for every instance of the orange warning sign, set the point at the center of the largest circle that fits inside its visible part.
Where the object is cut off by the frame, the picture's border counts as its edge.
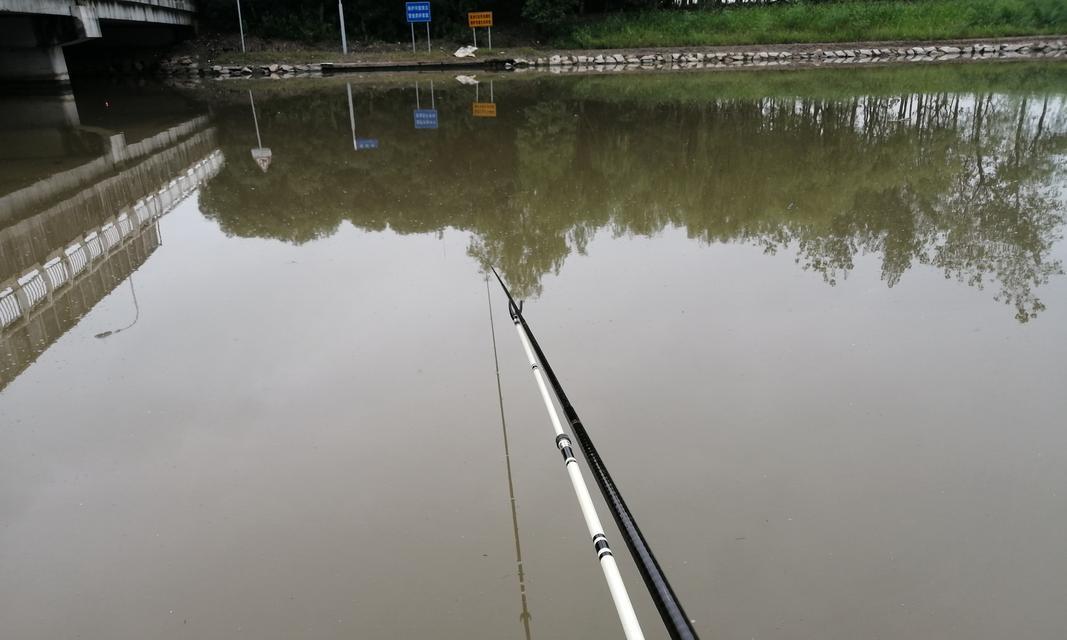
(483, 109)
(480, 19)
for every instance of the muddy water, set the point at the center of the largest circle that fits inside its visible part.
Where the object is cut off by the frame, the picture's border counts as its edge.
(816, 322)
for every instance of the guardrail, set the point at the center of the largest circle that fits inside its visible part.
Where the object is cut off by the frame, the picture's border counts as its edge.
(41, 283)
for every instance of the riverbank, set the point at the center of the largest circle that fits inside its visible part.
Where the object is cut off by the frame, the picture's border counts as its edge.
(816, 54)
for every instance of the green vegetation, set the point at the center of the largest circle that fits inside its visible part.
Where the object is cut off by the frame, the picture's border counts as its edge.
(374, 21)
(315, 21)
(594, 24)
(551, 14)
(806, 21)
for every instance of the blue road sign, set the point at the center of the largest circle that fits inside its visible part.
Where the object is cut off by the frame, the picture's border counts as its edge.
(366, 143)
(418, 11)
(425, 118)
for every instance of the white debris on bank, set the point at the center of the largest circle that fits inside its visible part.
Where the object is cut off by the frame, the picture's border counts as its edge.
(465, 52)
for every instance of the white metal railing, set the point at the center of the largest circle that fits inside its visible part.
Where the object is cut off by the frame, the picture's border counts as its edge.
(110, 235)
(10, 310)
(56, 272)
(124, 224)
(20, 296)
(77, 258)
(141, 212)
(93, 245)
(33, 287)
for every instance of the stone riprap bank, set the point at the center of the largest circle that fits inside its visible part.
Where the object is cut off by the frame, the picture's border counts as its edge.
(795, 55)
(189, 67)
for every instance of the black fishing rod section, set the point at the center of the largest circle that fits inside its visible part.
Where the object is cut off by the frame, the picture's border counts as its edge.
(670, 609)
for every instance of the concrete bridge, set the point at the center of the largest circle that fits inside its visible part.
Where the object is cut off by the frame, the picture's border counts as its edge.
(33, 33)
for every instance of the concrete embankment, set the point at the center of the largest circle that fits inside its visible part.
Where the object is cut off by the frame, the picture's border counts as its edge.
(664, 58)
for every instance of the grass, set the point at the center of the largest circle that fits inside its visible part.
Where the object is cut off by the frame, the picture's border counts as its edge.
(845, 21)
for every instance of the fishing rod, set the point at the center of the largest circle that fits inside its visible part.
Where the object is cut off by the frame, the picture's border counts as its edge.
(621, 598)
(670, 609)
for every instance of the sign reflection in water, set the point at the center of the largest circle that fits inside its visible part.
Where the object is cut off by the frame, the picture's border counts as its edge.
(358, 144)
(425, 118)
(481, 109)
(260, 154)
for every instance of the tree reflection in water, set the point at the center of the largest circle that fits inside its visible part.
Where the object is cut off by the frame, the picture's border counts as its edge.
(956, 168)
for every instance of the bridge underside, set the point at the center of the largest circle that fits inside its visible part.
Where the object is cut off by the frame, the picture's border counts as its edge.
(35, 34)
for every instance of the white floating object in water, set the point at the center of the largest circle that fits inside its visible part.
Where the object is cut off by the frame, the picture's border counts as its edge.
(466, 79)
(465, 52)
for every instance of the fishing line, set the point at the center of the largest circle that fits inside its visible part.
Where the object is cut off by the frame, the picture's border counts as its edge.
(525, 616)
(619, 595)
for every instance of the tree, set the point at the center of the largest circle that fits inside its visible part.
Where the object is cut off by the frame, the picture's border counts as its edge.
(549, 14)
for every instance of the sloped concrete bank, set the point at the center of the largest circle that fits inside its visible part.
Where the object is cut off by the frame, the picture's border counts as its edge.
(187, 66)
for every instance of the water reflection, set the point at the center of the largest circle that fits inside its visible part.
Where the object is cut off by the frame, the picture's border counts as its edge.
(265, 452)
(70, 237)
(262, 155)
(960, 180)
(525, 615)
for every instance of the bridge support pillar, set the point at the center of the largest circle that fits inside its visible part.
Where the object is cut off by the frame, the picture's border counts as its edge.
(31, 46)
(42, 66)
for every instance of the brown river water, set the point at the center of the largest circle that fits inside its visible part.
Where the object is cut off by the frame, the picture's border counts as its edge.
(816, 322)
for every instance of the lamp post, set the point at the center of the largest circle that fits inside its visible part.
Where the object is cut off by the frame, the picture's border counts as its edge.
(241, 26)
(136, 316)
(344, 36)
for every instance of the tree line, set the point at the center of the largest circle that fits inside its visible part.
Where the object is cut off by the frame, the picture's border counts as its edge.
(312, 20)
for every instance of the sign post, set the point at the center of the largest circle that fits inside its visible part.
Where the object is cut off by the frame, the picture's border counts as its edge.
(481, 20)
(418, 12)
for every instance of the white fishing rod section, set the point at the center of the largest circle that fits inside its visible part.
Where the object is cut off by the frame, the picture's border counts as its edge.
(630, 626)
